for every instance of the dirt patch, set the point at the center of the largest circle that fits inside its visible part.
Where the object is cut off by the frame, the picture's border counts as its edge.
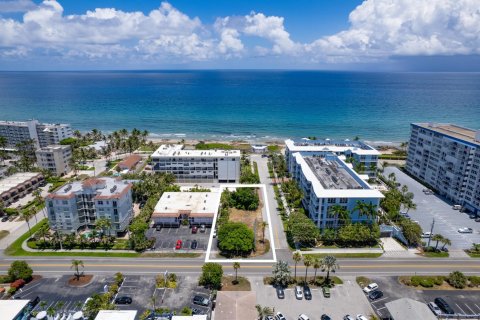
(229, 284)
(83, 281)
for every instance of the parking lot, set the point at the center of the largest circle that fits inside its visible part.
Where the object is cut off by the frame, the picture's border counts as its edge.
(56, 293)
(462, 301)
(345, 299)
(167, 238)
(447, 220)
(141, 289)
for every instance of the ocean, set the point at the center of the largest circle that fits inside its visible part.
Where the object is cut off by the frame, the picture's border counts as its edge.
(244, 105)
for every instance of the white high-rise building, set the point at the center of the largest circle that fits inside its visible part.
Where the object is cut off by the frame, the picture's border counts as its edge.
(77, 205)
(198, 165)
(55, 158)
(363, 157)
(43, 134)
(447, 158)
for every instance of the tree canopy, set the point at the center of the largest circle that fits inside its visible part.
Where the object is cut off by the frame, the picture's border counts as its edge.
(235, 238)
(212, 274)
(20, 270)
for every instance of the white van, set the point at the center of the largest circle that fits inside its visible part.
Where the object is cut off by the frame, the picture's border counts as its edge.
(456, 207)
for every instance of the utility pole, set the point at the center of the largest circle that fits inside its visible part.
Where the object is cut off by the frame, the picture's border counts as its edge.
(431, 232)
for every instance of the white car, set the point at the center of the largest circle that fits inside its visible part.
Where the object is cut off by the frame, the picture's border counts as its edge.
(280, 316)
(435, 309)
(465, 230)
(303, 317)
(426, 234)
(361, 317)
(298, 293)
(371, 287)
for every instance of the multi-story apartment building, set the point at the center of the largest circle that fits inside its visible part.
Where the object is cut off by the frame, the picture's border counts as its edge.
(55, 158)
(43, 134)
(198, 165)
(447, 158)
(363, 157)
(327, 181)
(18, 185)
(77, 205)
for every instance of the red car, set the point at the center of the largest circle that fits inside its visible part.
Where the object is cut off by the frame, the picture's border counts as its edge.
(194, 229)
(179, 244)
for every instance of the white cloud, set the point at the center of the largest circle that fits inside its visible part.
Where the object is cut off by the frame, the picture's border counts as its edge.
(378, 30)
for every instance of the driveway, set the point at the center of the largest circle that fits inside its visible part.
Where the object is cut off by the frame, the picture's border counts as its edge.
(166, 238)
(429, 207)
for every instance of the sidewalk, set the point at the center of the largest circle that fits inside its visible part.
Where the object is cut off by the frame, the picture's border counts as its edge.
(20, 230)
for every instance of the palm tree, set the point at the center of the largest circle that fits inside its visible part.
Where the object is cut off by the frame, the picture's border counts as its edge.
(42, 304)
(307, 262)
(77, 134)
(263, 311)
(76, 264)
(103, 224)
(2, 207)
(236, 266)
(446, 242)
(371, 210)
(410, 205)
(51, 312)
(3, 145)
(263, 225)
(340, 213)
(438, 238)
(43, 232)
(297, 256)
(316, 266)
(27, 215)
(360, 206)
(329, 263)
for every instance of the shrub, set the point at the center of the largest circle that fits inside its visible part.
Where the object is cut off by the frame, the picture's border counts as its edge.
(17, 284)
(20, 270)
(415, 281)
(235, 238)
(457, 280)
(439, 280)
(426, 282)
(12, 291)
(474, 281)
(114, 288)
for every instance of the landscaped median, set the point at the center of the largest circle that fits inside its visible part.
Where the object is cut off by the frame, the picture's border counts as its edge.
(17, 248)
(455, 280)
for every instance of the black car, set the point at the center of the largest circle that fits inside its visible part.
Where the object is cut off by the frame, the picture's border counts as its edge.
(194, 244)
(374, 295)
(32, 303)
(196, 311)
(307, 293)
(442, 304)
(280, 293)
(325, 317)
(202, 301)
(4, 219)
(123, 300)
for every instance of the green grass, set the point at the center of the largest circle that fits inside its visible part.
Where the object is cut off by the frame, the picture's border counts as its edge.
(348, 255)
(4, 233)
(473, 254)
(209, 146)
(392, 157)
(147, 148)
(113, 163)
(436, 254)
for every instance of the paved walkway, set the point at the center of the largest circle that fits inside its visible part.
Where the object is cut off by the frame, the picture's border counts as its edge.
(21, 229)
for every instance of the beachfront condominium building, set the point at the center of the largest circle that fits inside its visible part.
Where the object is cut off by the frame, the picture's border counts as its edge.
(447, 158)
(363, 157)
(77, 205)
(43, 134)
(198, 165)
(327, 181)
(54, 158)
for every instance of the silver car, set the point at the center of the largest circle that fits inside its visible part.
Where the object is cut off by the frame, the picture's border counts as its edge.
(465, 230)
(435, 309)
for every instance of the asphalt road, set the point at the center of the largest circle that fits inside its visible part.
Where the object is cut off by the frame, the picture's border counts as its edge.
(145, 266)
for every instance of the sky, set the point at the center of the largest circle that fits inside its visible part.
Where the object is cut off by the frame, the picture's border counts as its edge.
(370, 35)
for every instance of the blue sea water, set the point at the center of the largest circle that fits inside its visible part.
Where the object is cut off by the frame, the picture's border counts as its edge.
(252, 105)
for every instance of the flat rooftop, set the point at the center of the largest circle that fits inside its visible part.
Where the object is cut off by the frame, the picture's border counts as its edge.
(54, 147)
(116, 315)
(332, 145)
(104, 188)
(469, 135)
(176, 150)
(16, 179)
(175, 203)
(11, 308)
(331, 174)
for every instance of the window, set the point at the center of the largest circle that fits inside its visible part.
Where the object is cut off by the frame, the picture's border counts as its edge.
(343, 200)
(100, 202)
(331, 200)
(64, 202)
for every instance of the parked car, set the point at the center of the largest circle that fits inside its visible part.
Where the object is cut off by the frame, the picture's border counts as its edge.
(371, 287)
(444, 249)
(32, 303)
(280, 293)
(465, 230)
(298, 292)
(194, 229)
(303, 317)
(443, 305)
(215, 233)
(179, 244)
(280, 316)
(202, 301)
(325, 317)
(477, 220)
(361, 317)
(5, 219)
(196, 311)
(456, 207)
(203, 228)
(123, 300)
(194, 244)
(269, 318)
(158, 227)
(307, 293)
(427, 191)
(326, 292)
(473, 216)
(348, 317)
(427, 234)
(435, 309)
(374, 295)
